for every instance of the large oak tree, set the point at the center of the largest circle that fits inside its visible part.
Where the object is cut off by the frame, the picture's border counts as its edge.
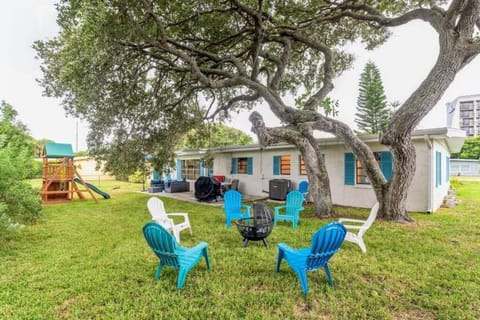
(134, 68)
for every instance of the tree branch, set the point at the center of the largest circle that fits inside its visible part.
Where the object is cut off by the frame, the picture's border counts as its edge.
(469, 16)
(268, 136)
(281, 63)
(158, 22)
(364, 12)
(314, 101)
(232, 102)
(453, 10)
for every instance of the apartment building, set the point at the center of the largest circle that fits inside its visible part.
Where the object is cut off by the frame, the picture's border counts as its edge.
(464, 113)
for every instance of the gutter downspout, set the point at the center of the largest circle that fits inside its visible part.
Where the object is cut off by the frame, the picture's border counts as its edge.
(430, 174)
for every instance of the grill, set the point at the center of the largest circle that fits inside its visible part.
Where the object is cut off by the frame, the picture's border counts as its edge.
(207, 189)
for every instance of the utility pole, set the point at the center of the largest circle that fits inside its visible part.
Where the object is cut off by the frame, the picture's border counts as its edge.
(76, 135)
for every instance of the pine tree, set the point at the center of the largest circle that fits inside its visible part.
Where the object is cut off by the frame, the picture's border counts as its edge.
(373, 113)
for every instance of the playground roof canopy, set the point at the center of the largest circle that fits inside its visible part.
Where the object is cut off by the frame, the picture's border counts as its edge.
(58, 150)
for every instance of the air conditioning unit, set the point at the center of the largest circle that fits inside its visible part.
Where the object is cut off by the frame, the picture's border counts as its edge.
(278, 189)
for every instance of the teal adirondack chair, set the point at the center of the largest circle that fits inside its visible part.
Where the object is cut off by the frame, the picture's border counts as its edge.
(291, 210)
(171, 254)
(234, 209)
(303, 187)
(325, 243)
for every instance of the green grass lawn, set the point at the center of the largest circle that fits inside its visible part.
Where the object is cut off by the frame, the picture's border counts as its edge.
(89, 260)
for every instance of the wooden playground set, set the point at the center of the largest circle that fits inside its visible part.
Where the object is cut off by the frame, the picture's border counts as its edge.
(61, 180)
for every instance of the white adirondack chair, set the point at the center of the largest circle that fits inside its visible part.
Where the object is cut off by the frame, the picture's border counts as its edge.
(160, 216)
(357, 228)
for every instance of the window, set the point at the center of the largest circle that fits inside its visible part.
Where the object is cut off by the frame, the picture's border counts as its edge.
(242, 165)
(189, 169)
(281, 165)
(285, 165)
(361, 173)
(447, 166)
(466, 105)
(356, 174)
(301, 162)
(438, 168)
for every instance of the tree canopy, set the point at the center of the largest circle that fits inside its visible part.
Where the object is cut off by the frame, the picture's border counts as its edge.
(126, 67)
(211, 136)
(470, 149)
(145, 72)
(39, 145)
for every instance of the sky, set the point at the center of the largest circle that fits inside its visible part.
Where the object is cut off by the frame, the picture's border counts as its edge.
(404, 61)
(21, 23)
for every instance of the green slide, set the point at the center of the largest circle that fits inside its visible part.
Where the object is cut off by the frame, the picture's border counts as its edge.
(91, 186)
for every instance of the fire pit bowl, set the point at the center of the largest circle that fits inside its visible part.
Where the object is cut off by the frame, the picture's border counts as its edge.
(258, 227)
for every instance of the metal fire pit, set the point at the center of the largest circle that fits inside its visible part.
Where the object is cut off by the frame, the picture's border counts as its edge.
(258, 227)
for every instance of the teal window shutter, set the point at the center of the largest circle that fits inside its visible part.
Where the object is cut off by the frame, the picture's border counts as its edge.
(276, 165)
(249, 165)
(386, 164)
(179, 169)
(234, 165)
(349, 169)
(438, 168)
(200, 165)
(447, 178)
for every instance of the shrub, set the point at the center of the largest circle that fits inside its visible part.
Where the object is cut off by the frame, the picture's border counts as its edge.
(455, 183)
(7, 225)
(19, 202)
(36, 170)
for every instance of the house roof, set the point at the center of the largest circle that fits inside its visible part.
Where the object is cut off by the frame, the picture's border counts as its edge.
(454, 139)
(58, 150)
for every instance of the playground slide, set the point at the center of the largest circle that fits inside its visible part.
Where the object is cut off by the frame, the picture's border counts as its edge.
(91, 186)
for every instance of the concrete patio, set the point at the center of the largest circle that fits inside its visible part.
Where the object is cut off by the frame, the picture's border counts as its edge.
(190, 197)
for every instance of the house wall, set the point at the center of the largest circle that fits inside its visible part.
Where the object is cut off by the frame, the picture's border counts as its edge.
(420, 189)
(86, 167)
(442, 185)
(221, 165)
(357, 195)
(348, 195)
(258, 182)
(363, 196)
(429, 186)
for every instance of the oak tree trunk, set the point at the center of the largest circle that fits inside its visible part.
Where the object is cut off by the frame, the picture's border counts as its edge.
(319, 189)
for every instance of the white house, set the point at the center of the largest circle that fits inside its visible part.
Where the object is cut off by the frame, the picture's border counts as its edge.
(87, 167)
(255, 166)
